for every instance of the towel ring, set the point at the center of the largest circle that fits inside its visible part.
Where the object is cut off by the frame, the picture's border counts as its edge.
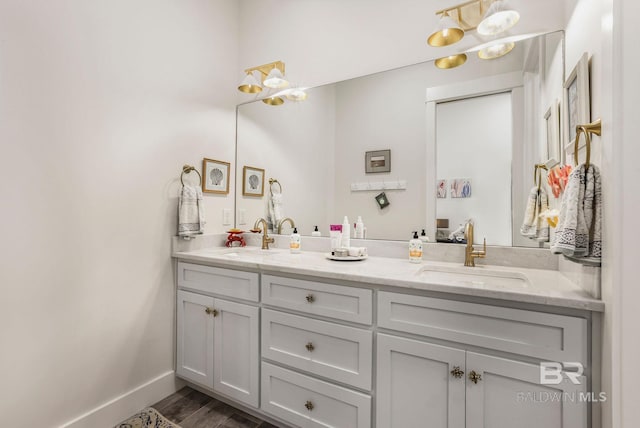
(186, 169)
(273, 181)
(588, 129)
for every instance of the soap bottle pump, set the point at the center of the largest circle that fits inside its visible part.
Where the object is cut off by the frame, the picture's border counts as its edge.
(295, 241)
(415, 249)
(316, 232)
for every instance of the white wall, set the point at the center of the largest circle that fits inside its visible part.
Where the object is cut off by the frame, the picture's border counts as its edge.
(101, 105)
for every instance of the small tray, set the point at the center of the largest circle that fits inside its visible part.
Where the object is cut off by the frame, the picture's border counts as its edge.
(345, 258)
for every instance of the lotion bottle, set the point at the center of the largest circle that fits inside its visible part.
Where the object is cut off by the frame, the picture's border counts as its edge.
(415, 249)
(423, 237)
(316, 232)
(346, 233)
(359, 228)
(295, 242)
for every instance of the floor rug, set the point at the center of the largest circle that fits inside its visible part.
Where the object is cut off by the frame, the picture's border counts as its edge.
(148, 418)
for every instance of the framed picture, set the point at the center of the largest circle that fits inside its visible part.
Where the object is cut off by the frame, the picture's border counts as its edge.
(461, 188)
(377, 161)
(252, 181)
(215, 176)
(552, 125)
(576, 101)
(441, 189)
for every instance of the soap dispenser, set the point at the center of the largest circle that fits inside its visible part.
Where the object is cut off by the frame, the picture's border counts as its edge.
(423, 237)
(316, 232)
(295, 241)
(415, 249)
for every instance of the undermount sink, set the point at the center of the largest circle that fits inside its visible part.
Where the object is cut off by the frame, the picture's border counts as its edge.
(474, 276)
(241, 252)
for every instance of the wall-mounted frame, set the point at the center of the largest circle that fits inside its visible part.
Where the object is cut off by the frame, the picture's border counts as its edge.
(252, 181)
(576, 102)
(377, 161)
(215, 176)
(552, 125)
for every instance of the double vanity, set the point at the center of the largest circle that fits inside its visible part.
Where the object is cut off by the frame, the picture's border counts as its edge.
(311, 342)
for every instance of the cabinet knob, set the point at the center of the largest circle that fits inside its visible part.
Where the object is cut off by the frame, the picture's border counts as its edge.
(311, 298)
(211, 311)
(308, 405)
(475, 377)
(309, 347)
(456, 372)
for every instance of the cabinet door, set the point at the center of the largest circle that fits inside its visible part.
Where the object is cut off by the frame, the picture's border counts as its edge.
(415, 385)
(509, 394)
(195, 338)
(236, 355)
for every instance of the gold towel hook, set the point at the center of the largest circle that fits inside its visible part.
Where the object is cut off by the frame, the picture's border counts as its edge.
(594, 127)
(273, 181)
(186, 169)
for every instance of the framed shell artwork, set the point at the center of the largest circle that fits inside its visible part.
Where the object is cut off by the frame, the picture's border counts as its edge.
(215, 176)
(252, 181)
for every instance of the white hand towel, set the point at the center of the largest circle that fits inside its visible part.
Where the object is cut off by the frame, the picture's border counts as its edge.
(190, 211)
(533, 226)
(578, 234)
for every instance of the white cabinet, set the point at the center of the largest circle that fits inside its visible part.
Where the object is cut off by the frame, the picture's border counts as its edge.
(453, 388)
(415, 384)
(218, 344)
(509, 394)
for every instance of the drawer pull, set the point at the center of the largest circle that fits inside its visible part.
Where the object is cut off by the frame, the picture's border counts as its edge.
(457, 373)
(310, 298)
(310, 347)
(210, 311)
(308, 405)
(475, 377)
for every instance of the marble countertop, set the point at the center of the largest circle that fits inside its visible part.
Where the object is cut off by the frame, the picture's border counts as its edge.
(536, 286)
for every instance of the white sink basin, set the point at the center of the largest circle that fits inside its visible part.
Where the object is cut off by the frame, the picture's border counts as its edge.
(479, 277)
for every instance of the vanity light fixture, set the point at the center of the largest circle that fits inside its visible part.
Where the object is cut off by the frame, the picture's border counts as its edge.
(446, 33)
(499, 18)
(272, 77)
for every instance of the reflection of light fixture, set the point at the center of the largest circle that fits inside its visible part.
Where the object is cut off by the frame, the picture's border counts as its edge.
(451, 61)
(498, 19)
(447, 32)
(496, 50)
(271, 76)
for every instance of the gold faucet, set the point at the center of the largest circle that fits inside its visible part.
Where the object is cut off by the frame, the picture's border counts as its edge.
(266, 240)
(290, 220)
(469, 253)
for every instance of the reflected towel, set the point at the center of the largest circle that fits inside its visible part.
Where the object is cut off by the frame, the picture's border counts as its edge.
(578, 234)
(190, 211)
(275, 211)
(534, 226)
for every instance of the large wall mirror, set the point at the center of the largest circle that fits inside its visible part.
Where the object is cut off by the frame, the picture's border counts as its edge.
(483, 143)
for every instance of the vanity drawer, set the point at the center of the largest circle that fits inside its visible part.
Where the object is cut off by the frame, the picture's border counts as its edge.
(329, 300)
(334, 351)
(536, 334)
(307, 402)
(226, 282)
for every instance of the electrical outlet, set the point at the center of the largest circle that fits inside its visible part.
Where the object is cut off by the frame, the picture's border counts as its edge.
(226, 217)
(242, 216)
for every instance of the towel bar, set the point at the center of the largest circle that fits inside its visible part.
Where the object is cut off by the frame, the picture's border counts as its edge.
(594, 127)
(186, 169)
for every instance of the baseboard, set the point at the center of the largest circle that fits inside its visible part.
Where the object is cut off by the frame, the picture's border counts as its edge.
(127, 404)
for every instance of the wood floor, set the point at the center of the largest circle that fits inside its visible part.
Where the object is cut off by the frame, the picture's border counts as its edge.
(192, 409)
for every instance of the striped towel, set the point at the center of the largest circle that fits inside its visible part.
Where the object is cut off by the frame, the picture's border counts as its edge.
(190, 211)
(534, 226)
(578, 235)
